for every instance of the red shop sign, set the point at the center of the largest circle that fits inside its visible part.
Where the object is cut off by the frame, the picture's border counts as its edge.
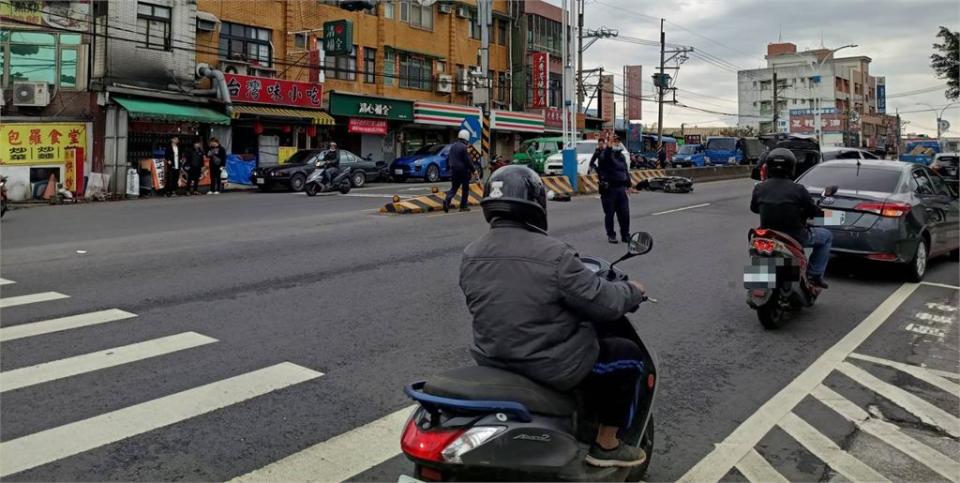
(367, 126)
(263, 90)
(541, 69)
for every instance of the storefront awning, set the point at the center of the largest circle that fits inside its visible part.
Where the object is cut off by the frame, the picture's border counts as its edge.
(166, 111)
(316, 117)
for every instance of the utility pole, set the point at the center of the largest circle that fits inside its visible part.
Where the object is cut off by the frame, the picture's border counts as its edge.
(580, 90)
(776, 110)
(485, 14)
(660, 86)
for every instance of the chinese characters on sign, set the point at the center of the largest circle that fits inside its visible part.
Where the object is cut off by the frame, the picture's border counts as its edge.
(367, 126)
(540, 73)
(244, 88)
(802, 121)
(40, 143)
(338, 37)
(373, 109)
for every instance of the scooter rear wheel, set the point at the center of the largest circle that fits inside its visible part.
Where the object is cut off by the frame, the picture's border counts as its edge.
(771, 313)
(311, 189)
(345, 186)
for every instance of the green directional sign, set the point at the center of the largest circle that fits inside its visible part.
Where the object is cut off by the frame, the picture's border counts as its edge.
(337, 37)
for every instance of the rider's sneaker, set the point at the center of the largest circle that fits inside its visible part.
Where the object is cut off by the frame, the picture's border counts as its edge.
(623, 456)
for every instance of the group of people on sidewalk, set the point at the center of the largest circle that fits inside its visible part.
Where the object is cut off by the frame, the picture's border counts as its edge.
(189, 161)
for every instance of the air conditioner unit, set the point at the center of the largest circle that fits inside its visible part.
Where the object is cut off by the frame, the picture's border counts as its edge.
(444, 83)
(445, 8)
(464, 12)
(235, 67)
(464, 82)
(35, 94)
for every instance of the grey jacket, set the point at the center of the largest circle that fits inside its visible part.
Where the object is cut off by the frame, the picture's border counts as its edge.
(534, 304)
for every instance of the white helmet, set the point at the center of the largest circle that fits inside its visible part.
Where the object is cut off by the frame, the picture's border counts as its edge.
(464, 134)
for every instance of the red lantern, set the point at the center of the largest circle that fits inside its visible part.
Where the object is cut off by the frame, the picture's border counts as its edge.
(257, 128)
(287, 129)
(311, 131)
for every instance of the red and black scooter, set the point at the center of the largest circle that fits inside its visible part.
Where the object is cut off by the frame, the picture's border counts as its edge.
(776, 279)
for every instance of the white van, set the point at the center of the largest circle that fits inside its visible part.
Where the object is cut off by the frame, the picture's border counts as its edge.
(585, 149)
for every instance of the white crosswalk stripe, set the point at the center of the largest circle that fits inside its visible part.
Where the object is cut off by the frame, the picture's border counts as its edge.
(824, 448)
(889, 433)
(57, 443)
(919, 372)
(755, 468)
(4, 281)
(72, 366)
(63, 323)
(31, 299)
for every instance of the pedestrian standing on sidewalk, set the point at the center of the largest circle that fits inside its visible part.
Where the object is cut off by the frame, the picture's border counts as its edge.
(194, 167)
(614, 178)
(218, 159)
(462, 170)
(172, 158)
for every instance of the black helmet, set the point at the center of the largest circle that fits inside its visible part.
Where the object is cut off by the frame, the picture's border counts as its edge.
(781, 163)
(517, 193)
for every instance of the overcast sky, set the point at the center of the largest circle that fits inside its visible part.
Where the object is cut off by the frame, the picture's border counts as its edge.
(896, 34)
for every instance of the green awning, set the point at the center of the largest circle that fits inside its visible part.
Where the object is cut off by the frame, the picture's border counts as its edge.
(165, 111)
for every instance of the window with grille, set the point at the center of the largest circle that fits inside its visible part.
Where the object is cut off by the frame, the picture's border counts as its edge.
(415, 72)
(246, 43)
(343, 67)
(153, 26)
(369, 65)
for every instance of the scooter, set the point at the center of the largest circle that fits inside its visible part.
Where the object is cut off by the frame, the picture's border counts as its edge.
(484, 424)
(316, 182)
(3, 195)
(776, 279)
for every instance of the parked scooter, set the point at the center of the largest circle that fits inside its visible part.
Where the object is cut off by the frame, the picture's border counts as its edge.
(318, 183)
(484, 424)
(776, 279)
(3, 195)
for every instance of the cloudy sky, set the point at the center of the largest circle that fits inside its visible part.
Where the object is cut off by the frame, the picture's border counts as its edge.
(896, 34)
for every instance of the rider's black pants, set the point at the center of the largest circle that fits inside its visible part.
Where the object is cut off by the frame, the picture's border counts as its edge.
(612, 388)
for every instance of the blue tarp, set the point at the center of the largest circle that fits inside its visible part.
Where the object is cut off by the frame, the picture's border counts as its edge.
(238, 170)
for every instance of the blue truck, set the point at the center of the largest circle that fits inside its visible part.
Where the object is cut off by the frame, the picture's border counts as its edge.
(723, 150)
(920, 151)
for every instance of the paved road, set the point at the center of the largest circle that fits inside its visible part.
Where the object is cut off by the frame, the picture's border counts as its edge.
(206, 338)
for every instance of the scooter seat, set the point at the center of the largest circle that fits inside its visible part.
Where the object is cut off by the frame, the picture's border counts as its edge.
(488, 383)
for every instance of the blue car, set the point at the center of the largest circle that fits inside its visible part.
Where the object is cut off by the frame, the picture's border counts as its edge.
(690, 155)
(428, 162)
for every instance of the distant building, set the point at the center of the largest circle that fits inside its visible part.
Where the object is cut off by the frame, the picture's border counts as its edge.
(850, 107)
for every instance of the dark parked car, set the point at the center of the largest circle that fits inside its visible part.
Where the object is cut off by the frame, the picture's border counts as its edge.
(888, 211)
(293, 173)
(830, 154)
(804, 148)
(948, 166)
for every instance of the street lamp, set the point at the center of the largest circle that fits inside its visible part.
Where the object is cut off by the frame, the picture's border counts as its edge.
(817, 108)
(939, 116)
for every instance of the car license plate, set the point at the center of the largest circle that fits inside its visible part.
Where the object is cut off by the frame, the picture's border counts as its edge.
(260, 181)
(398, 171)
(834, 217)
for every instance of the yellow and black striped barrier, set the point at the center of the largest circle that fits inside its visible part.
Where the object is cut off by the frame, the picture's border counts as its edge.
(558, 184)
(588, 184)
(485, 137)
(640, 175)
(432, 202)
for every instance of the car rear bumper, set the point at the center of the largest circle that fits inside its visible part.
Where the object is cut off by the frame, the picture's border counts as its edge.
(878, 243)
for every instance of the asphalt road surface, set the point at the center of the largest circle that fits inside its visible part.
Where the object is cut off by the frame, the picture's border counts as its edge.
(269, 336)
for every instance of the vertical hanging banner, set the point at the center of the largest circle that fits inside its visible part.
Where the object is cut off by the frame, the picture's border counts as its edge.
(540, 71)
(632, 79)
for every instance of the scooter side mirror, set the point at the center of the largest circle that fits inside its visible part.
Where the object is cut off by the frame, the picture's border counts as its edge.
(640, 243)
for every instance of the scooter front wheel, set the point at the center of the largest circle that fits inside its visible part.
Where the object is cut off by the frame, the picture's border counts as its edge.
(311, 189)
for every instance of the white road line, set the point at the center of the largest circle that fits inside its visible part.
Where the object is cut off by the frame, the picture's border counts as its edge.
(934, 284)
(680, 209)
(64, 323)
(927, 412)
(57, 443)
(946, 374)
(732, 449)
(340, 457)
(31, 299)
(375, 195)
(889, 433)
(756, 468)
(824, 448)
(4, 281)
(94, 361)
(921, 373)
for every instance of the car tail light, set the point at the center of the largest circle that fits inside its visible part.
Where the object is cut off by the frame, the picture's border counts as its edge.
(884, 257)
(764, 245)
(889, 210)
(427, 445)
